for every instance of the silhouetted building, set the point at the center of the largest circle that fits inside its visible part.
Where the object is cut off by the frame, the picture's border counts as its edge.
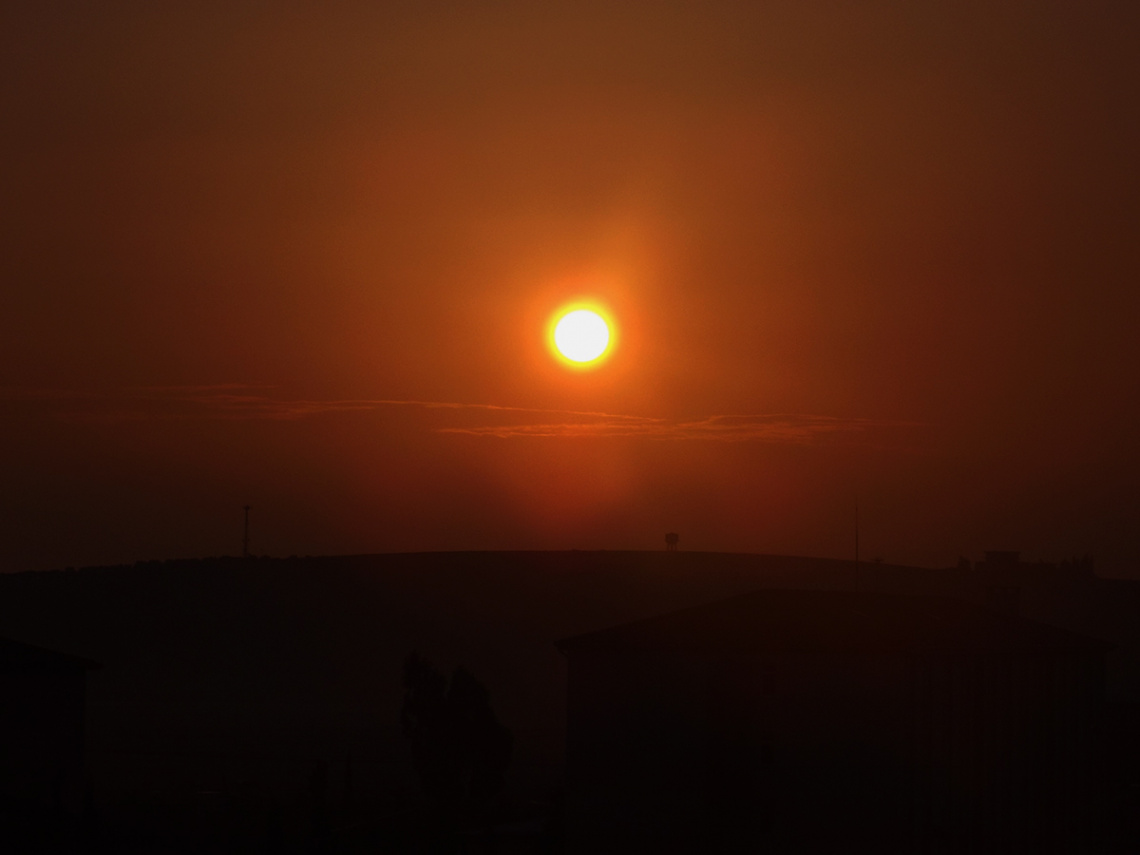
(41, 726)
(826, 721)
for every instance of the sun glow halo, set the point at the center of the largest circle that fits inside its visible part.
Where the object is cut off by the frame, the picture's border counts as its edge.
(581, 336)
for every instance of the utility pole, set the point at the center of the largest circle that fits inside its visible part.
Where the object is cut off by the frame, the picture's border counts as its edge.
(245, 536)
(856, 544)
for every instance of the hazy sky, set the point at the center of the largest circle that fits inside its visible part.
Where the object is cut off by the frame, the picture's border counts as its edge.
(885, 250)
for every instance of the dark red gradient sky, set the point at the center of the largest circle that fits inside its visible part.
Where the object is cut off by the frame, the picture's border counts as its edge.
(884, 250)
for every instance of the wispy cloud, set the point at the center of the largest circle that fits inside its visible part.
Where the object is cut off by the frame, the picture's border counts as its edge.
(241, 402)
(781, 427)
(235, 401)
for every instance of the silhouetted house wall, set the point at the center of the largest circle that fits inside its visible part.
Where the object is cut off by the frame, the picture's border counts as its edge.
(41, 725)
(796, 721)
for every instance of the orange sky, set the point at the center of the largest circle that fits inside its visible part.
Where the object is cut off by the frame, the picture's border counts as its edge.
(885, 250)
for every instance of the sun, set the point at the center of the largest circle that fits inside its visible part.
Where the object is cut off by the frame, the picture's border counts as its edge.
(582, 336)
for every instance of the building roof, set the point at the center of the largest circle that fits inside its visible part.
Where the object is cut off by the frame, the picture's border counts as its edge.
(834, 622)
(17, 656)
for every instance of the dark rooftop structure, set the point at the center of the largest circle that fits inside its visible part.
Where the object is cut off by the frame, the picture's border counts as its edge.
(16, 656)
(803, 721)
(791, 621)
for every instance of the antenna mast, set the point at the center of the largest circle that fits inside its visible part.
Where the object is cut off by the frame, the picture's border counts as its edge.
(245, 535)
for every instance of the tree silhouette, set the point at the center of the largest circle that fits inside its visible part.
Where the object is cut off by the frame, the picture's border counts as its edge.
(460, 750)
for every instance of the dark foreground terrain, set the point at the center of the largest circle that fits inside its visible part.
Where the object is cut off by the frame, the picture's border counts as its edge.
(255, 704)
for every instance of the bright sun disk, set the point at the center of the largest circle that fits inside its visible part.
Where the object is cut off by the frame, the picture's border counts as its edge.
(582, 336)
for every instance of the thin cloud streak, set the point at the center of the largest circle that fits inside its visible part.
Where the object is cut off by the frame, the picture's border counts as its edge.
(236, 401)
(243, 403)
(782, 427)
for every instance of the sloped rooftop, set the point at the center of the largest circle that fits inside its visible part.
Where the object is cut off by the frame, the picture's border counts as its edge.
(17, 656)
(836, 623)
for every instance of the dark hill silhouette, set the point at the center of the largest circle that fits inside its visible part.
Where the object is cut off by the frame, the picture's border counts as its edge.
(294, 660)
